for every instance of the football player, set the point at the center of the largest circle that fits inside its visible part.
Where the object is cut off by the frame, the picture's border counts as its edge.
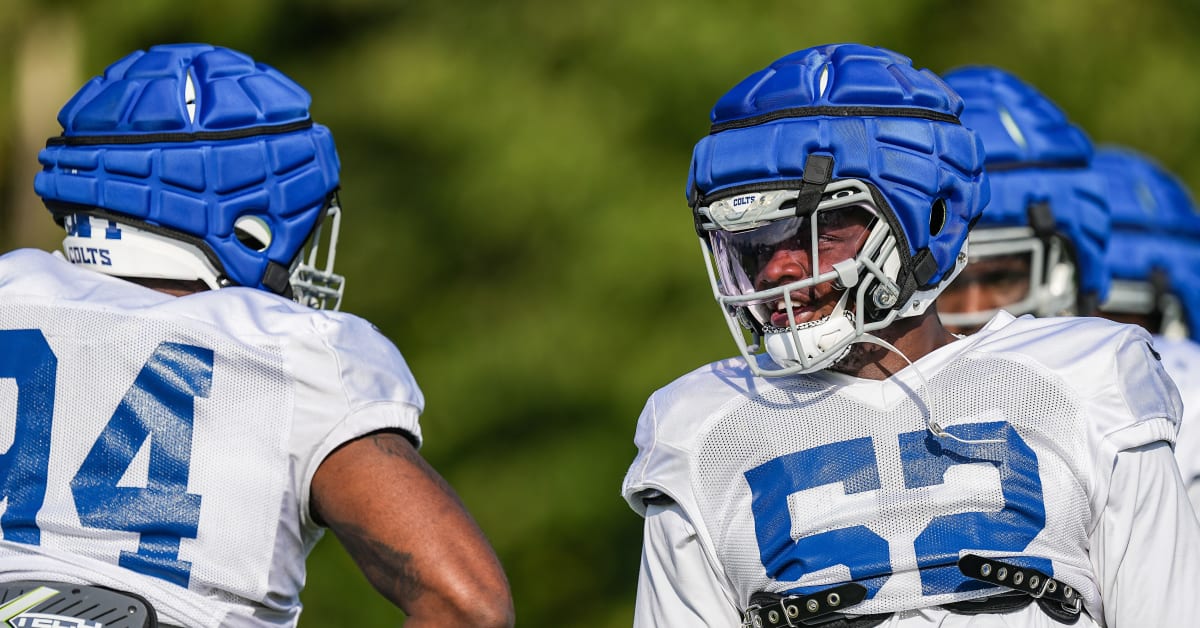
(1039, 246)
(183, 418)
(1153, 259)
(858, 463)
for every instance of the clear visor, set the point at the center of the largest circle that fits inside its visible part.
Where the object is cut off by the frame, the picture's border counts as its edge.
(772, 254)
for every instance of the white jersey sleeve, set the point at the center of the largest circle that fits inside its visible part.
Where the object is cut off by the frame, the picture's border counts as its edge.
(380, 393)
(1181, 358)
(678, 584)
(1145, 543)
(668, 425)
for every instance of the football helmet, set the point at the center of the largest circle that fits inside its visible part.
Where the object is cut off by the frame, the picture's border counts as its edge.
(832, 196)
(1155, 243)
(1039, 246)
(194, 162)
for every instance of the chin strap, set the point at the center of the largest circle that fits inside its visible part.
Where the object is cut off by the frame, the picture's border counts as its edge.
(931, 422)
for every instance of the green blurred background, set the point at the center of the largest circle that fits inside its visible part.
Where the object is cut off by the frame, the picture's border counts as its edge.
(513, 178)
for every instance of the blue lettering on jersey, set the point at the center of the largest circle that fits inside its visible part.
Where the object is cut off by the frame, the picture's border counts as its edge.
(852, 463)
(26, 357)
(924, 461)
(1011, 529)
(159, 407)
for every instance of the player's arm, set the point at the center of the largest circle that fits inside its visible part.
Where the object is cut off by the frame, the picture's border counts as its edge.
(1146, 546)
(410, 535)
(677, 585)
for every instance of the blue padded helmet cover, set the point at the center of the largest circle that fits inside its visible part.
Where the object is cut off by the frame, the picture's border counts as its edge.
(880, 119)
(1018, 124)
(1144, 195)
(1185, 281)
(1155, 225)
(129, 148)
(1080, 209)
(1036, 155)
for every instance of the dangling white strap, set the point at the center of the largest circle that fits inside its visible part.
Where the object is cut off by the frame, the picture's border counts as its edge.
(931, 423)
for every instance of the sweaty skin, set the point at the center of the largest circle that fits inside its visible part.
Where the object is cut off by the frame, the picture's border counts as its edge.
(410, 535)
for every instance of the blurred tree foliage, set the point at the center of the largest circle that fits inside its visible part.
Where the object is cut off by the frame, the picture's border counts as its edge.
(513, 180)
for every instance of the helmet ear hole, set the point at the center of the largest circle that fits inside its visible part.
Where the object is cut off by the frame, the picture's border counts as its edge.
(253, 233)
(937, 217)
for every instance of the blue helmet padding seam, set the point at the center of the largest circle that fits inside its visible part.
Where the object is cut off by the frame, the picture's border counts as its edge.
(824, 110)
(179, 138)
(1010, 166)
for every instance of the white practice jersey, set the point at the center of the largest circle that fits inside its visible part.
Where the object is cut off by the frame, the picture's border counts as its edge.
(1181, 358)
(165, 445)
(798, 484)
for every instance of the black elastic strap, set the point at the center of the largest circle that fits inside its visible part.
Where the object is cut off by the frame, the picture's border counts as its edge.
(772, 610)
(1055, 597)
(924, 268)
(1087, 303)
(818, 171)
(1160, 283)
(1011, 602)
(278, 279)
(1041, 219)
(1001, 603)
